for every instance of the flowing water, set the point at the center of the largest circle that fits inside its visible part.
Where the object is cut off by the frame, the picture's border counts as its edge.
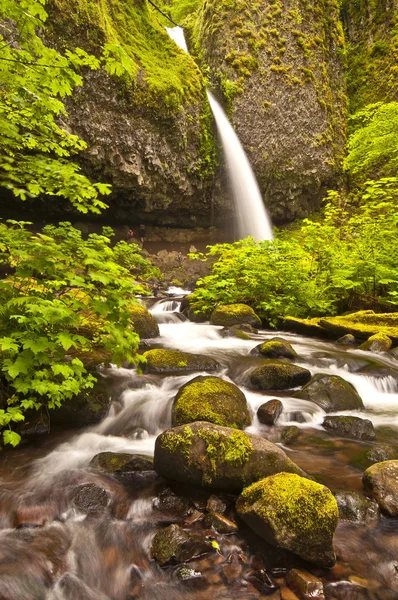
(55, 549)
(251, 215)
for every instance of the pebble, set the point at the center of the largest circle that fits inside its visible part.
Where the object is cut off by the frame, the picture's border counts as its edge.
(304, 584)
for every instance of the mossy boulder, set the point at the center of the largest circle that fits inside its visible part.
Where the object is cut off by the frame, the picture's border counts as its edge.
(275, 375)
(308, 327)
(363, 324)
(120, 462)
(162, 360)
(377, 343)
(381, 481)
(276, 347)
(331, 393)
(242, 332)
(235, 314)
(144, 323)
(347, 426)
(211, 399)
(269, 412)
(293, 513)
(217, 457)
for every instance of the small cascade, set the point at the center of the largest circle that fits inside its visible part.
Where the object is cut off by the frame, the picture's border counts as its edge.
(167, 311)
(252, 216)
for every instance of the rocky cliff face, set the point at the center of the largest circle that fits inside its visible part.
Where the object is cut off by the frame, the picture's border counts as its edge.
(280, 68)
(146, 121)
(371, 30)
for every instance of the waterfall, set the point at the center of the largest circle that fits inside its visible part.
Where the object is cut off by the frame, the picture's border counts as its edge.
(252, 216)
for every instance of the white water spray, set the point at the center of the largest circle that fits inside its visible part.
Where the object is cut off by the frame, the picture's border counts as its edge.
(252, 216)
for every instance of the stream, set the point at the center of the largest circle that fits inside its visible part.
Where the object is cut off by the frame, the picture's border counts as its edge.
(67, 552)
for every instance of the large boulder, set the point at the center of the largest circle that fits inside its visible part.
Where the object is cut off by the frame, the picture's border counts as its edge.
(281, 70)
(211, 399)
(347, 426)
(276, 347)
(331, 393)
(218, 457)
(381, 480)
(294, 513)
(144, 323)
(276, 375)
(235, 314)
(363, 324)
(380, 342)
(161, 360)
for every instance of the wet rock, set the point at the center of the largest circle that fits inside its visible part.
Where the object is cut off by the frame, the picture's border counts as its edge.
(305, 585)
(269, 412)
(354, 427)
(35, 424)
(289, 434)
(216, 504)
(195, 315)
(35, 516)
(90, 497)
(144, 323)
(330, 392)
(190, 576)
(293, 513)
(194, 517)
(235, 314)
(167, 361)
(232, 571)
(394, 352)
(296, 416)
(344, 590)
(220, 523)
(120, 462)
(263, 582)
(219, 457)
(276, 347)
(211, 399)
(167, 501)
(355, 507)
(278, 376)
(173, 544)
(363, 324)
(377, 343)
(381, 480)
(243, 331)
(88, 408)
(381, 453)
(347, 340)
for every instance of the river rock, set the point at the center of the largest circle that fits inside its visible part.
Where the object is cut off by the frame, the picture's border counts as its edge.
(275, 348)
(88, 408)
(346, 340)
(90, 497)
(330, 392)
(381, 480)
(278, 376)
(381, 453)
(289, 434)
(269, 412)
(220, 523)
(144, 323)
(162, 360)
(217, 457)
(305, 585)
(174, 544)
(235, 314)
(355, 507)
(216, 504)
(293, 513)
(394, 352)
(344, 590)
(377, 343)
(211, 399)
(354, 427)
(242, 332)
(120, 462)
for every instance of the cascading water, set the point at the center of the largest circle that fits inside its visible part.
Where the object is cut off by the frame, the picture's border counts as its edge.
(252, 216)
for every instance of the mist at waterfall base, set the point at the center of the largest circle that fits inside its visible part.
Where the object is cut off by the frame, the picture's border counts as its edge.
(251, 215)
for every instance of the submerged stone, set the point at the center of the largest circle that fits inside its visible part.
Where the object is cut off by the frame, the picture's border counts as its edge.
(381, 480)
(217, 457)
(161, 360)
(289, 434)
(293, 513)
(355, 507)
(330, 392)
(235, 314)
(278, 376)
(347, 426)
(211, 399)
(276, 347)
(174, 544)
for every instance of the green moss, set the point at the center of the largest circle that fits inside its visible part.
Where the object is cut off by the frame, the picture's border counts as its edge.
(364, 323)
(144, 323)
(234, 314)
(211, 399)
(289, 501)
(173, 441)
(383, 339)
(235, 449)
